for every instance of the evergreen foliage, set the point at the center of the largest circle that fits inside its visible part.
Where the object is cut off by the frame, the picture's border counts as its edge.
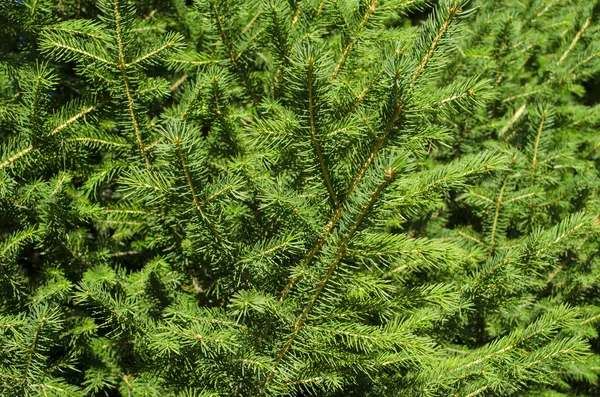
(291, 198)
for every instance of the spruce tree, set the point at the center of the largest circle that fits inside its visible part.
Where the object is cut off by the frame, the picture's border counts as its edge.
(292, 198)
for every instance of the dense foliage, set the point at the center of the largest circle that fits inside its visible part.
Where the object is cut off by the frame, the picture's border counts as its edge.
(290, 198)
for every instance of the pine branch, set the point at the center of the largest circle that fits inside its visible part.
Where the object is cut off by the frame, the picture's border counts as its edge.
(453, 11)
(577, 37)
(365, 19)
(122, 65)
(399, 107)
(73, 119)
(31, 350)
(303, 318)
(536, 146)
(575, 223)
(97, 141)
(313, 134)
(16, 156)
(190, 183)
(10, 246)
(80, 51)
(234, 62)
(79, 27)
(173, 42)
(360, 97)
(498, 205)
(513, 119)
(591, 57)
(192, 101)
(282, 44)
